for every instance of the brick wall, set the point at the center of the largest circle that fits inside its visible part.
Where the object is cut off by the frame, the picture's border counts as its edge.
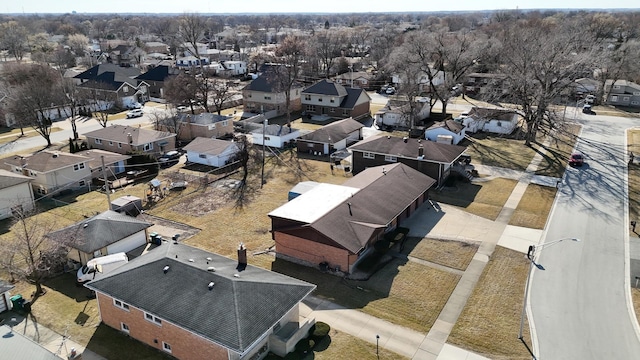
(312, 252)
(184, 344)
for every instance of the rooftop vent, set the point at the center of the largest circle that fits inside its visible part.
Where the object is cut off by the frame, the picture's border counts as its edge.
(405, 139)
(236, 275)
(211, 269)
(210, 286)
(85, 225)
(209, 259)
(191, 260)
(165, 269)
(55, 154)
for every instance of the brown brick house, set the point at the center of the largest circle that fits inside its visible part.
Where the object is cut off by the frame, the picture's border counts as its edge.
(433, 159)
(128, 140)
(195, 305)
(338, 225)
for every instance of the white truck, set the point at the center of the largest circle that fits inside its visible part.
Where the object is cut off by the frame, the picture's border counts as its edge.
(98, 267)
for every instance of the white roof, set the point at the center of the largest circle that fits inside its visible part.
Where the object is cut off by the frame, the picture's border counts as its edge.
(315, 203)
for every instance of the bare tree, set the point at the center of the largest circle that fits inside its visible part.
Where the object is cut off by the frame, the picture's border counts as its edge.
(28, 254)
(167, 121)
(327, 44)
(221, 90)
(13, 37)
(289, 54)
(100, 97)
(181, 89)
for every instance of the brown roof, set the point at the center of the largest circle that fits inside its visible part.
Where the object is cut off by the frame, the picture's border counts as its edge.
(120, 133)
(209, 146)
(333, 132)
(408, 148)
(46, 160)
(8, 179)
(95, 155)
(450, 125)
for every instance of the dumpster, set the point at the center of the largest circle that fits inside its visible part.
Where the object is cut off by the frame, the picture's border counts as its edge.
(17, 301)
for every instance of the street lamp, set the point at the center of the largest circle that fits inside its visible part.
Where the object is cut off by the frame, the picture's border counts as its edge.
(531, 253)
(377, 340)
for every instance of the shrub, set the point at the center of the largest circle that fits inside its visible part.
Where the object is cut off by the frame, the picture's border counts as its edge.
(303, 346)
(293, 356)
(320, 330)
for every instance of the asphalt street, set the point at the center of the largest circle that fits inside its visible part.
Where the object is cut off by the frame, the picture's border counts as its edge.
(579, 299)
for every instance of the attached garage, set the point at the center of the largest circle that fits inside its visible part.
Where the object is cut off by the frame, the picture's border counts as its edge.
(127, 244)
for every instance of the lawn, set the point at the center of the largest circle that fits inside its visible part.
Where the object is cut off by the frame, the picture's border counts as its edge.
(339, 345)
(633, 141)
(453, 254)
(484, 199)
(534, 207)
(490, 321)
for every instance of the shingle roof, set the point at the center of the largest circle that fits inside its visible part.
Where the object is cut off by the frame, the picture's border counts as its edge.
(261, 83)
(385, 191)
(95, 156)
(108, 81)
(333, 132)
(16, 346)
(326, 87)
(209, 146)
(9, 179)
(395, 146)
(99, 231)
(235, 313)
(450, 125)
(5, 286)
(158, 73)
(203, 118)
(46, 160)
(93, 72)
(353, 94)
(120, 133)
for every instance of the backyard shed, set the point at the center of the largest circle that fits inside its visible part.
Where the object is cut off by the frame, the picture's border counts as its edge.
(127, 204)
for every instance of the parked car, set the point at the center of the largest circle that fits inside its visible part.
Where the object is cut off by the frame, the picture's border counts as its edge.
(390, 90)
(135, 105)
(134, 113)
(170, 158)
(576, 159)
(589, 99)
(587, 109)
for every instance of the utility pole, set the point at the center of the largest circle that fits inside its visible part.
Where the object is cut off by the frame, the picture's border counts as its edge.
(264, 134)
(106, 183)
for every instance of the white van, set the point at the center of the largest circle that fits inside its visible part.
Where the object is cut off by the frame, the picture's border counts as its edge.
(98, 267)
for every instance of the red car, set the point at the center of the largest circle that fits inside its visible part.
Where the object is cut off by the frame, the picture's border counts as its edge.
(576, 159)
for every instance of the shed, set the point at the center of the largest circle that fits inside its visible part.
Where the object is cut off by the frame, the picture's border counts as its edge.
(301, 188)
(5, 302)
(127, 204)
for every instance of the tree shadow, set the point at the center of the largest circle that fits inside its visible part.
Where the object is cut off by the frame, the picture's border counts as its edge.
(66, 284)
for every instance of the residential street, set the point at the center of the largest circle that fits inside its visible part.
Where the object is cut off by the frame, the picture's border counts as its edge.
(579, 302)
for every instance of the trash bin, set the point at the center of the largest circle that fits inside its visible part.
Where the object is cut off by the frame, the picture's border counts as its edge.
(26, 306)
(17, 301)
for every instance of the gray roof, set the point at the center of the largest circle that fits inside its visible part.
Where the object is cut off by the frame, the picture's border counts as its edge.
(209, 146)
(16, 346)
(99, 231)
(353, 95)
(449, 124)
(267, 82)
(5, 286)
(396, 146)
(326, 87)
(95, 156)
(203, 118)
(235, 313)
(355, 220)
(121, 72)
(9, 179)
(46, 160)
(334, 132)
(120, 133)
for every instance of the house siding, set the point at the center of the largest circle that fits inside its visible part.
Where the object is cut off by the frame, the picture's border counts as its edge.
(128, 149)
(19, 194)
(184, 344)
(190, 131)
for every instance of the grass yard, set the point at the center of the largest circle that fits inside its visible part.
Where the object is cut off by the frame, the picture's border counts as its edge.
(339, 345)
(453, 254)
(490, 321)
(635, 296)
(404, 293)
(534, 207)
(483, 199)
(633, 141)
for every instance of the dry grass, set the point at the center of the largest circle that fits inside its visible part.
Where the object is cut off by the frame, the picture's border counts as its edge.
(453, 254)
(484, 199)
(554, 160)
(533, 209)
(633, 141)
(490, 321)
(339, 345)
(635, 297)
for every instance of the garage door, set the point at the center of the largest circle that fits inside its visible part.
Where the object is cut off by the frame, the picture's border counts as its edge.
(127, 244)
(3, 303)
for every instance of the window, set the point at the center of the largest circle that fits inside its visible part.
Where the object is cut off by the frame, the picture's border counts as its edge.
(267, 97)
(153, 319)
(124, 327)
(120, 304)
(311, 108)
(368, 155)
(225, 123)
(77, 167)
(635, 103)
(307, 97)
(617, 87)
(32, 173)
(332, 100)
(125, 89)
(390, 158)
(297, 92)
(625, 98)
(166, 347)
(98, 141)
(18, 170)
(309, 145)
(332, 110)
(202, 156)
(266, 138)
(41, 191)
(81, 183)
(110, 143)
(614, 98)
(345, 112)
(319, 99)
(120, 145)
(148, 147)
(636, 93)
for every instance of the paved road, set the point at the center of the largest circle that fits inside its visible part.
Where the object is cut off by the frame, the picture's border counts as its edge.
(579, 298)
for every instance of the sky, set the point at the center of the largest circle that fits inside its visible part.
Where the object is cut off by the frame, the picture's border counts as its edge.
(291, 6)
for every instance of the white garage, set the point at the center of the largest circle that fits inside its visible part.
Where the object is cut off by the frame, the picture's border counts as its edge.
(5, 296)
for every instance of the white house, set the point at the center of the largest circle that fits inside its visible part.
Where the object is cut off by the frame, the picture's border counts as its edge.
(211, 152)
(190, 61)
(448, 131)
(396, 113)
(497, 121)
(276, 135)
(235, 67)
(15, 193)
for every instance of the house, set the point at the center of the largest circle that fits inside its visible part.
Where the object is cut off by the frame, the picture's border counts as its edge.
(5, 296)
(17, 346)
(447, 132)
(234, 67)
(15, 193)
(482, 83)
(493, 120)
(156, 47)
(585, 86)
(277, 136)
(326, 100)
(107, 233)
(397, 113)
(358, 79)
(194, 304)
(108, 85)
(126, 55)
(52, 171)
(211, 152)
(156, 78)
(331, 137)
(338, 225)
(430, 158)
(191, 61)
(128, 140)
(207, 125)
(622, 93)
(263, 96)
(114, 163)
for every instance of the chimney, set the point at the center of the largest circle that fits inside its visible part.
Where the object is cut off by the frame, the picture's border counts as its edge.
(242, 257)
(130, 138)
(23, 161)
(405, 139)
(420, 151)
